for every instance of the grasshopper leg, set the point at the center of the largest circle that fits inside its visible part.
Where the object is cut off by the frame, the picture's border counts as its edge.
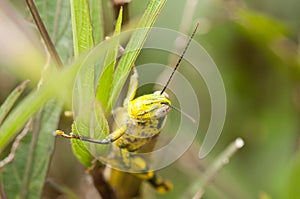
(161, 185)
(140, 164)
(109, 139)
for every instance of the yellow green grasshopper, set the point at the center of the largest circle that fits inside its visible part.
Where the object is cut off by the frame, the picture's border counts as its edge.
(144, 119)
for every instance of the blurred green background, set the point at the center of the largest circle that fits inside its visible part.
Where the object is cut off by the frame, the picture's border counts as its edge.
(255, 45)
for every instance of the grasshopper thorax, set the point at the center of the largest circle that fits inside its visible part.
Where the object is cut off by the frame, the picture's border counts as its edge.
(149, 106)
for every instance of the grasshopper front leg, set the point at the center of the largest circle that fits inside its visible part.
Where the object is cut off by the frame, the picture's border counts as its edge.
(109, 139)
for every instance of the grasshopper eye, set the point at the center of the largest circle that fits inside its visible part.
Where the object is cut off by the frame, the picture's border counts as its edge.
(162, 111)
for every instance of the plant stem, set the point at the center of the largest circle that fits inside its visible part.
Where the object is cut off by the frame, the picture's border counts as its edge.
(44, 33)
(218, 164)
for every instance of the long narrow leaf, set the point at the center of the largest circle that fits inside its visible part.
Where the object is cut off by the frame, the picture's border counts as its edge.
(52, 87)
(82, 41)
(134, 46)
(56, 16)
(11, 99)
(83, 97)
(27, 173)
(81, 26)
(96, 11)
(83, 93)
(33, 102)
(105, 81)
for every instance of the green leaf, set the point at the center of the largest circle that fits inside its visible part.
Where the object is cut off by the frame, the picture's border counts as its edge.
(94, 125)
(79, 149)
(105, 81)
(133, 47)
(18, 117)
(11, 99)
(102, 123)
(56, 16)
(27, 173)
(85, 122)
(96, 11)
(83, 40)
(81, 26)
(34, 101)
(52, 87)
(84, 92)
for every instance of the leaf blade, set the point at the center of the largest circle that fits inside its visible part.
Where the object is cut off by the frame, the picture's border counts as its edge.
(56, 16)
(11, 99)
(81, 26)
(28, 171)
(96, 10)
(105, 82)
(134, 47)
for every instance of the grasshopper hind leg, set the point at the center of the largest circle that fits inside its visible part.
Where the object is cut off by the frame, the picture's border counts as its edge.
(138, 163)
(161, 185)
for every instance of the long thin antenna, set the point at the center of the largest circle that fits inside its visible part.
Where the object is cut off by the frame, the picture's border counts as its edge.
(185, 114)
(181, 57)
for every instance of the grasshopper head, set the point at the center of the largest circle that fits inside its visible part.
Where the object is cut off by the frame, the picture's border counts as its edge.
(149, 106)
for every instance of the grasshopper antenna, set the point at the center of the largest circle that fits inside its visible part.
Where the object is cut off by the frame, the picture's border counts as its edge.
(181, 57)
(183, 113)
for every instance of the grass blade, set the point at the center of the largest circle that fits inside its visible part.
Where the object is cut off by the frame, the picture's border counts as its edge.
(96, 11)
(105, 81)
(83, 93)
(33, 102)
(11, 99)
(133, 47)
(81, 26)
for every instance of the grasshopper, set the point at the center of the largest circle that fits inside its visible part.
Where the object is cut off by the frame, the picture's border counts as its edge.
(144, 119)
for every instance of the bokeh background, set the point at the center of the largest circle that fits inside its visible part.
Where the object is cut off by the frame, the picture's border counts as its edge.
(255, 45)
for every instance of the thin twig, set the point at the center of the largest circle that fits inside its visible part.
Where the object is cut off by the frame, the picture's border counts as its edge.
(44, 33)
(218, 164)
(15, 145)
